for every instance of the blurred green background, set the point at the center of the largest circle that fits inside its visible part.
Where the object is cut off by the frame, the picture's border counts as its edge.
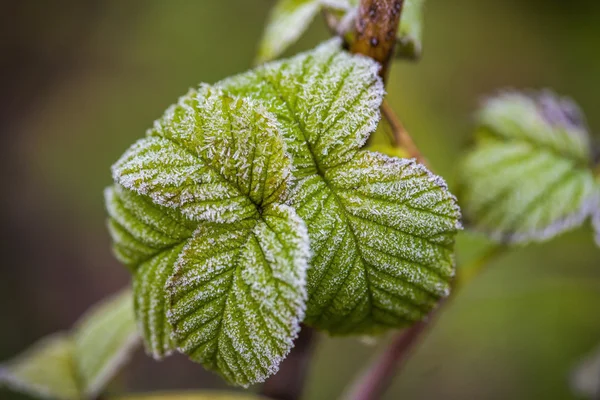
(81, 80)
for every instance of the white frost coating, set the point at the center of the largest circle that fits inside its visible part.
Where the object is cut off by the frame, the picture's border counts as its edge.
(326, 100)
(381, 230)
(238, 294)
(543, 118)
(529, 177)
(221, 162)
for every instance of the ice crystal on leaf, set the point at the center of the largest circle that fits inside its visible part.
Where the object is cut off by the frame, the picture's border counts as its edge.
(219, 260)
(78, 364)
(381, 229)
(529, 176)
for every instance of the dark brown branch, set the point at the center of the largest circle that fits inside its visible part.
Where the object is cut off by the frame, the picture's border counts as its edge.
(376, 26)
(288, 383)
(376, 379)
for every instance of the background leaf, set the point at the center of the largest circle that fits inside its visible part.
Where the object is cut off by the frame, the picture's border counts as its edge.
(381, 229)
(287, 21)
(77, 365)
(410, 32)
(528, 177)
(103, 340)
(45, 370)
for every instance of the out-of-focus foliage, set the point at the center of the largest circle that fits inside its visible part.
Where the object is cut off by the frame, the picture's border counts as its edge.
(530, 175)
(78, 364)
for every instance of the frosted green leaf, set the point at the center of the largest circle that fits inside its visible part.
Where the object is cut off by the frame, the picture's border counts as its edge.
(45, 370)
(148, 238)
(103, 339)
(201, 195)
(585, 379)
(287, 21)
(381, 229)
(528, 177)
(78, 364)
(238, 294)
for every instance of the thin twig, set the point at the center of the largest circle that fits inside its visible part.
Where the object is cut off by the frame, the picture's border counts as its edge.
(288, 383)
(401, 136)
(376, 379)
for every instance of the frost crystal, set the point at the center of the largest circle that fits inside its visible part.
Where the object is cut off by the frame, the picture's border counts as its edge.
(529, 176)
(198, 214)
(381, 229)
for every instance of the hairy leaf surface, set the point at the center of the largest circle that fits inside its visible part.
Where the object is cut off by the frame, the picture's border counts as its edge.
(77, 364)
(381, 229)
(529, 176)
(203, 193)
(238, 293)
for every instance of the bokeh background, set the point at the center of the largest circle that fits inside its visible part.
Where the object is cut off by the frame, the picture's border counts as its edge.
(81, 80)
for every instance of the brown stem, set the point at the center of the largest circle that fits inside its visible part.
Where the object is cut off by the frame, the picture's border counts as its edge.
(401, 136)
(378, 376)
(376, 26)
(376, 379)
(288, 383)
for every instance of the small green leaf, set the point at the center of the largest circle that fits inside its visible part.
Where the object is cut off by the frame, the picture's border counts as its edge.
(45, 370)
(103, 340)
(529, 176)
(410, 31)
(381, 229)
(287, 21)
(77, 365)
(213, 173)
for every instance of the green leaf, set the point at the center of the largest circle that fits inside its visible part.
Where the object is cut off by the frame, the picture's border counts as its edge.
(148, 238)
(410, 32)
(218, 163)
(103, 339)
(45, 370)
(78, 364)
(238, 294)
(287, 21)
(528, 177)
(381, 229)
